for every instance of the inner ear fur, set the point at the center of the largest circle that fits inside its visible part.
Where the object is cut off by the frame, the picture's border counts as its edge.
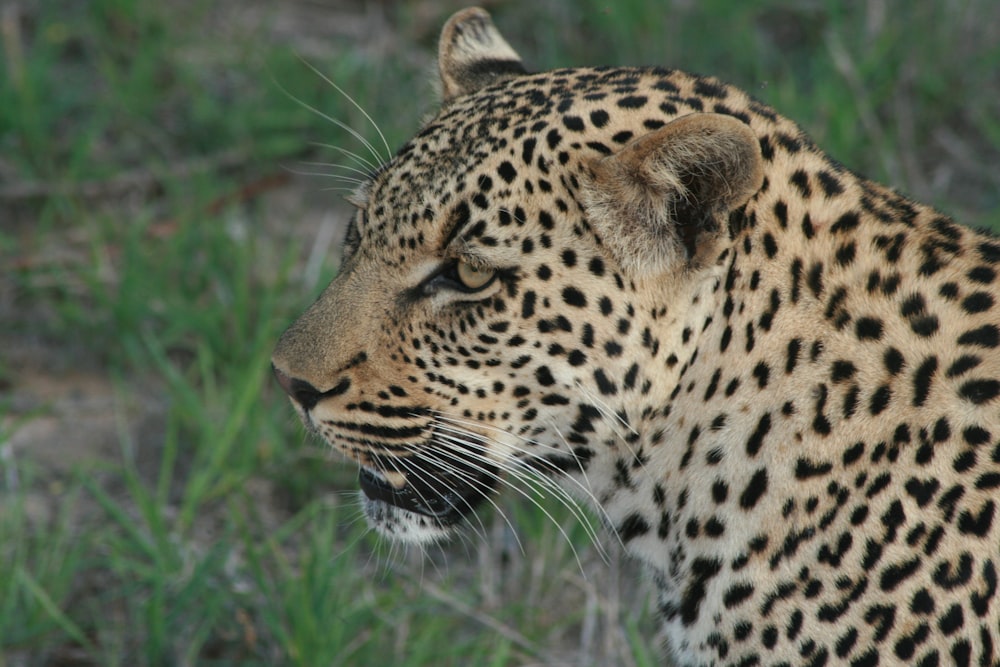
(472, 53)
(662, 201)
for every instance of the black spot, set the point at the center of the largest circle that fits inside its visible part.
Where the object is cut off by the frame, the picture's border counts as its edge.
(922, 491)
(846, 642)
(922, 602)
(976, 435)
(634, 525)
(845, 253)
(977, 524)
(963, 364)
(788, 142)
(709, 88)
(878, 485)
(987, 335)
(762, 372)
(815, 279)
(913, 305)
(528, 150)
(893, 361)
(853, 453)
(573, 123)
(924, 326)
(804, 469)
(713, 384)
(807, 227)
(948, 291)
(756, 487)
(977, 302)
(845, 223)
(922, 380)
(507, 171)
(800, 179)
(882, 617)
(770, 246)
(756, 439)
(574, 297)
(528, 304)
(979, 391)
(599, 117)
(868, 328)
(604, 385)
(737, 594)
(781, 213)
(821, 424)
(831, 184)
(842, 370)
(982, 274)
(702, 571)
(948, 579)
(544, 376)
(633, 102)
(947, 501)
(553, 138)
(952, 620)
(599, 147)
(990, 252)
(792, 358)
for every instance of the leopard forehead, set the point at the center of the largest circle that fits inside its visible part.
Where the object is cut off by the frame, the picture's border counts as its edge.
(524, 144)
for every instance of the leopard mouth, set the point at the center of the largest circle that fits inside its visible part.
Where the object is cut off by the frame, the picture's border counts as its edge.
(445, 492)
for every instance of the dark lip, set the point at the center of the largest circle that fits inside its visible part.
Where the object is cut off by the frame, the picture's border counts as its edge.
(445, 493)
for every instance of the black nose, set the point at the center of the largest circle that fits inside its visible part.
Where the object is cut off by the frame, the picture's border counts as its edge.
(301, 391)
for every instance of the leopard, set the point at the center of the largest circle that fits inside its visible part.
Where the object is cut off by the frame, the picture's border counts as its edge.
(775, 381)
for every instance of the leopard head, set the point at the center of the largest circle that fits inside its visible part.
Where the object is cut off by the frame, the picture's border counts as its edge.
(515, 281)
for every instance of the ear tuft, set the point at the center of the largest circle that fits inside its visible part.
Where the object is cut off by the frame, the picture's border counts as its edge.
(663, 200)
(472, 53)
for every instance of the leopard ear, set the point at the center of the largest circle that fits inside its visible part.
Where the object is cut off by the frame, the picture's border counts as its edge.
(472, 53)
(663, 201)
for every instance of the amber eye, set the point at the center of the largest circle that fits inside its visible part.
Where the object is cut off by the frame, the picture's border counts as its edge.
(473, 278)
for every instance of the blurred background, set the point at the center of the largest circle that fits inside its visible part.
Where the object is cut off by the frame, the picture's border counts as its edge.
(171, 196)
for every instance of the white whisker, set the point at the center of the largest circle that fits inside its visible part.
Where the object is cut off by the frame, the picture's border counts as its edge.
(416, 474)
(339, 123)
(388, 151)
(530, 476)
(333, 165)
(479, 485)
(461, 454)
(354, 182)
(586, 490)
(369, 167)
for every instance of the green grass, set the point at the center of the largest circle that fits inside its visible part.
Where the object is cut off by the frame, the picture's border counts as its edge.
(141, 145)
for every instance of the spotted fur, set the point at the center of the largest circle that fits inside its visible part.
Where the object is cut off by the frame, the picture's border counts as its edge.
(778, 381)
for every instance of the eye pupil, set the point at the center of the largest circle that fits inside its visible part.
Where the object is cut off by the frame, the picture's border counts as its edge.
(473, 277)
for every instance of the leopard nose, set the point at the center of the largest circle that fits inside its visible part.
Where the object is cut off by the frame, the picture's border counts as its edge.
(301, 391)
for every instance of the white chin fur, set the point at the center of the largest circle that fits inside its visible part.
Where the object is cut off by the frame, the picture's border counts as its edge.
(399, 524)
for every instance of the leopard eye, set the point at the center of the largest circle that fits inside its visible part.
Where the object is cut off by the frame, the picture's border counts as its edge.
(472, 277)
